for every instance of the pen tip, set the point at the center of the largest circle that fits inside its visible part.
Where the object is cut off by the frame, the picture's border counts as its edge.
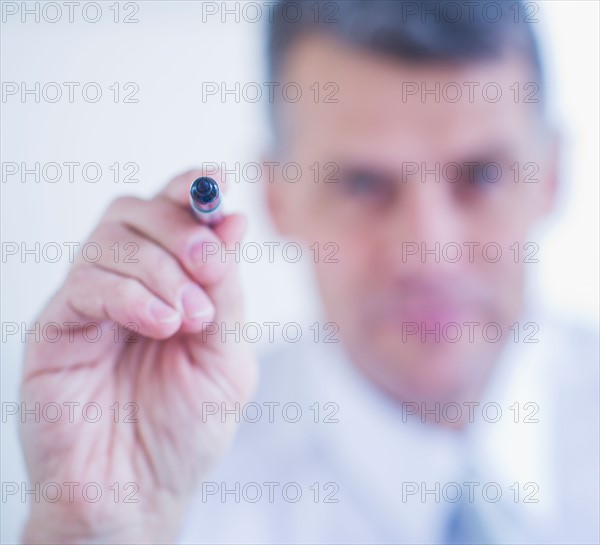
(205, 189)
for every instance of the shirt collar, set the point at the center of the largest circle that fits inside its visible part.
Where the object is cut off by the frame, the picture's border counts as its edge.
(381, 453)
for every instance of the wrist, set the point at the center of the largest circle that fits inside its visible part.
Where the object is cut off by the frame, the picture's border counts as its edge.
(51, 532)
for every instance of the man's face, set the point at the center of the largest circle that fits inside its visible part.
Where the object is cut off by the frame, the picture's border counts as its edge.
(408, 192)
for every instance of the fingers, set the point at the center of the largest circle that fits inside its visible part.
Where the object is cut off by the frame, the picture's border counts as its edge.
(228, 292)
(195, 246)
(177, 279)
(158, 270)
(232, 230)
(106, 296)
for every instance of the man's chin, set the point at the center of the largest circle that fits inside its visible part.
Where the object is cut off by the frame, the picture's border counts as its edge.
(427, 372)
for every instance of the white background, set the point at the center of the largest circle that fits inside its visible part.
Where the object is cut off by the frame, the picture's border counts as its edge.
(168, 53)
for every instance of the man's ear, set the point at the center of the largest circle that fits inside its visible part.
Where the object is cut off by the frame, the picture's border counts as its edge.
(552, 174)
(278, 197)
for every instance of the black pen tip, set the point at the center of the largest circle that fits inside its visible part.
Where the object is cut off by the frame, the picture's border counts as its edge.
(205, 190)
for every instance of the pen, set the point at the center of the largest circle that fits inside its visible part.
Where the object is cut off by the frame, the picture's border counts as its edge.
(205, 199)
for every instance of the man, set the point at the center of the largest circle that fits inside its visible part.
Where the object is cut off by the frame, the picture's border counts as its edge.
(449, 412)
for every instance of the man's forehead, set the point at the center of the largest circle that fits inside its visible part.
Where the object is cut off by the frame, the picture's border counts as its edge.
(403, 103)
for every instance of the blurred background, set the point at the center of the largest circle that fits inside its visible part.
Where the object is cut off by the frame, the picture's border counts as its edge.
(150, 59)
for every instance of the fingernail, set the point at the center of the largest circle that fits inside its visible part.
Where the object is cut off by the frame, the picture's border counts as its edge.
(163, 313)
(196, 303)
(204, 252)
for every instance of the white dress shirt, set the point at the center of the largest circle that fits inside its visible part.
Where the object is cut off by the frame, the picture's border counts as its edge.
(375, 454)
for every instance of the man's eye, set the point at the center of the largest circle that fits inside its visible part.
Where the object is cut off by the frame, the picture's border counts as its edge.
(488, 173)
(361, 183)
(482, 175)
(477, 177)
(364, 183)
(479, 180)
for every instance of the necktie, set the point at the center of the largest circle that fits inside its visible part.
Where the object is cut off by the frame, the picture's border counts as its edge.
(466, 525)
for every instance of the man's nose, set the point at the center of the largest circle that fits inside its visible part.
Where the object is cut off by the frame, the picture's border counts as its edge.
(428, 213)
(426, 225)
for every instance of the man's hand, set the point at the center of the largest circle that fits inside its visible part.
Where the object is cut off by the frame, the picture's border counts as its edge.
(132, 333)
